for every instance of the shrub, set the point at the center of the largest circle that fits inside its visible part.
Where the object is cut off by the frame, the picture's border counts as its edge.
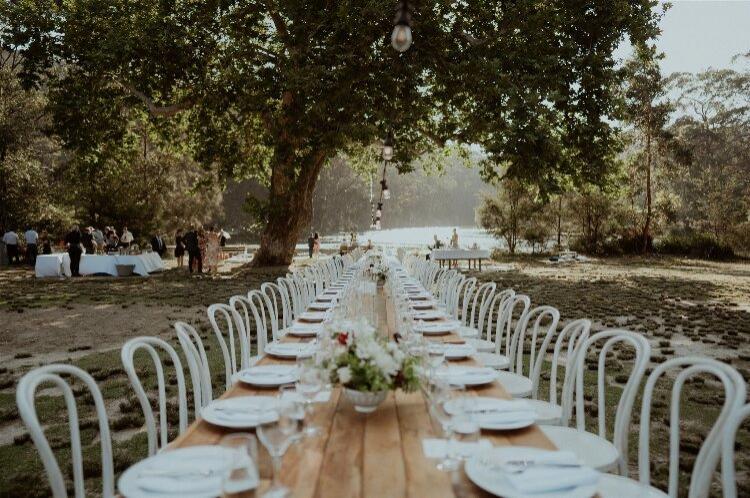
(694, 244)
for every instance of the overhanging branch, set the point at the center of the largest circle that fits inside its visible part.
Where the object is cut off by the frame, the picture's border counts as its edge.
(163, 111)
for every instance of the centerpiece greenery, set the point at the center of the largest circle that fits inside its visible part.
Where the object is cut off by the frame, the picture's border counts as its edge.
(366, 364)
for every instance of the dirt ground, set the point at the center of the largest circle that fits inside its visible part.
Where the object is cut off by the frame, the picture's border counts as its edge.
(683, 306)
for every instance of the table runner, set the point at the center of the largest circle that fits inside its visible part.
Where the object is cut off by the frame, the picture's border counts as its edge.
(378, 455)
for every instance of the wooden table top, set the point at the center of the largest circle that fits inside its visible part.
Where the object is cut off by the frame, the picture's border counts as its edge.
(377, 455)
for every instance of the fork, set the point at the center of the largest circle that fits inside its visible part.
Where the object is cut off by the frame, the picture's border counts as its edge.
(520, 465)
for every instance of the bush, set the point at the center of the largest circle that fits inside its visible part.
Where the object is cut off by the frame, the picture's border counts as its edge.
(694, 244)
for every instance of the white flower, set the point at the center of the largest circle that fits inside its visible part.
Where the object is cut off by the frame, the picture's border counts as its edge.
(344, 374)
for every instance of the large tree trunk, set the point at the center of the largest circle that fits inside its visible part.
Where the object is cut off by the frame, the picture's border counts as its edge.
(289, 208)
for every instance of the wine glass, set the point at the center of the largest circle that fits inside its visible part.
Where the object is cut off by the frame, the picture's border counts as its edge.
(465, 422)
(241, 471)
(439, 395)
(435, 357)
(276, 437)
(308, 386)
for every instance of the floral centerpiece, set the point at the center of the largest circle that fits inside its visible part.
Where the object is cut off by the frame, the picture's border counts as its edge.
(366, 364)
(376, 268)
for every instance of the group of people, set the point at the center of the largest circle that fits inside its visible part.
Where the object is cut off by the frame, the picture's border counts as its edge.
(439, 244)
(203, 247)
(90, 240)
(26, 248)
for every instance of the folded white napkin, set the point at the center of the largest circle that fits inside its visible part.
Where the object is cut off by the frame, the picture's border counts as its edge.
(498, 405)
(547, 479)
(438, 448)
(182, 485)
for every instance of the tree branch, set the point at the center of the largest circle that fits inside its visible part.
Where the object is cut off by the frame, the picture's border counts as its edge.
(164, 111)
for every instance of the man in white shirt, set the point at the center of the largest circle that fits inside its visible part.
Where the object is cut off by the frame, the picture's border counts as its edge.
(10, 238)
(31, 248)
(126, 238)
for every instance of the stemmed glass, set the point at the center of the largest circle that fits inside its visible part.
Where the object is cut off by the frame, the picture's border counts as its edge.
(308, 386)
(439, 394)
(276, 438)
(241, 472)
(435, 357)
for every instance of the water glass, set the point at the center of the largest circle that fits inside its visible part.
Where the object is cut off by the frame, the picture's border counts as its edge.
(240, 470)
(276, 437)
(311, 382)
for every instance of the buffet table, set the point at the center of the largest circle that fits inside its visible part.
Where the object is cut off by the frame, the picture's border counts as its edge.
(453, 256)
(58, 265)
(377, 455)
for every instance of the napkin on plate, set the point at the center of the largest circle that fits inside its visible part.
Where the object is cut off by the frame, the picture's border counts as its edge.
(545, 479)
(438, 448)
(498, 405)
(182, 485)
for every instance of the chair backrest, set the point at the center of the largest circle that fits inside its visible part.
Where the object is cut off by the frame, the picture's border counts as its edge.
(464, 291)
(25, 394)
(226, 321)
(708, 456)
(729, 438)
(479, 306)
(280, 302)
(152, 345)
(575, 333)
(506, 327)
(624, 410)
(200, 373)
(545, 332)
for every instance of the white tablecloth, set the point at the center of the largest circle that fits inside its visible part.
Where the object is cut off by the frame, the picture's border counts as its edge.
(144, 264)
(52, 265)
(439, 254)
(57, 265)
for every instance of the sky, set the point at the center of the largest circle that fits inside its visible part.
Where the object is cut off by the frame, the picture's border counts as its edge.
(699, 34)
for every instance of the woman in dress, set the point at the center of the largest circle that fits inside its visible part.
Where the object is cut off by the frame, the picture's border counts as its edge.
(179, 248)
(202, 245)
(213, 248)
(316, 245)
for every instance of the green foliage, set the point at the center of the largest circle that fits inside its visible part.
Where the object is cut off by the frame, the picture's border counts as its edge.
(511, 212)
(694, 244)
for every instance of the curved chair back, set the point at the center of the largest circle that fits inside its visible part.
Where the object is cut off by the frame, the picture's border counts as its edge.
(25, 394)
(624, 410)
(151, 345)
(505, 327)
(232, 337)
(728, 472)
(479, 306)
(576, 333)
(545, 332)
(200, 373)
(709, 453)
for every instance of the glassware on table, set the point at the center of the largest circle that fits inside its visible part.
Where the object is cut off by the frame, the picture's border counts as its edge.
(465, 422)
(241, 469)
(277, 437)
(435, 357)
(441, 393)
(311, 382)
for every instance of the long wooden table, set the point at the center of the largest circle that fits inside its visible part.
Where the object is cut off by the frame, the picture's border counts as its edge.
(377, 455)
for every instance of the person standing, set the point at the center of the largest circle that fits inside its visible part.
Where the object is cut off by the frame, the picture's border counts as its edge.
(11, 243)
(213, 249)
(32, 238)
(310, 245)
(454, 239)
(192, 246)
(87, 240)
(127, 238)
(98, 236)
(179, 248)
(316, 245)
(46, 243)
(158, 245)
(73, 242)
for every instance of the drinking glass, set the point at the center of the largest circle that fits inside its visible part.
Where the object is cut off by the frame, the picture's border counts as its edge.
(241, 471)
(435, 357)
(310, 383)
(276, 437)
(440, 394)
(465, 422)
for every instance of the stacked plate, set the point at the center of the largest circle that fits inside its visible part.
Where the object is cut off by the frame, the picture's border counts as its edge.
(437, 328)
(423, 305)
(268, 375)
(320, 306)
(194, 472)
(313, 316)
(303, 329)
(456, 351)
(522, 472)
(291, 349)
(495, 414)
(468, 376)
(242, 412)
(429, 315)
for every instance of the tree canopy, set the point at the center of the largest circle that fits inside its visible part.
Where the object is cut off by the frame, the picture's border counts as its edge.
(274, 90)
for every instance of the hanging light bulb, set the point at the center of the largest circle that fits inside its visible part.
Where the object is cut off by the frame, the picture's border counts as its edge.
(384, 189)
(388, 147)
(377, 225)
(401, 38)
(379, 211)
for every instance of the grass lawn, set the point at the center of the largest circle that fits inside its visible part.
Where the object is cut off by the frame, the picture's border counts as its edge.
(683, 307)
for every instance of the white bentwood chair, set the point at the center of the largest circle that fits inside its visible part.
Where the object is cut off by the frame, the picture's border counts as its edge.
(226, 321)
(25, 394)
(707, 459)
(200, 373)
(595, 450)
(729, 437)
(156, 440)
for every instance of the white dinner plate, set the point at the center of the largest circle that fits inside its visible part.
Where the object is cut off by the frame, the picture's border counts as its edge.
(429, 315)
(437, 328)
(423, 305)
(302, 329)
(496, 414)
(468, 376)
(313, 316)
(495, 481)
(268, 375)
(154, 477)
(291, 349)
(320, 306)
(242, 412)
(457, 351)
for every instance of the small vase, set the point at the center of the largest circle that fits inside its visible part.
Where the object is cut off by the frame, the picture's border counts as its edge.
(363, 401)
